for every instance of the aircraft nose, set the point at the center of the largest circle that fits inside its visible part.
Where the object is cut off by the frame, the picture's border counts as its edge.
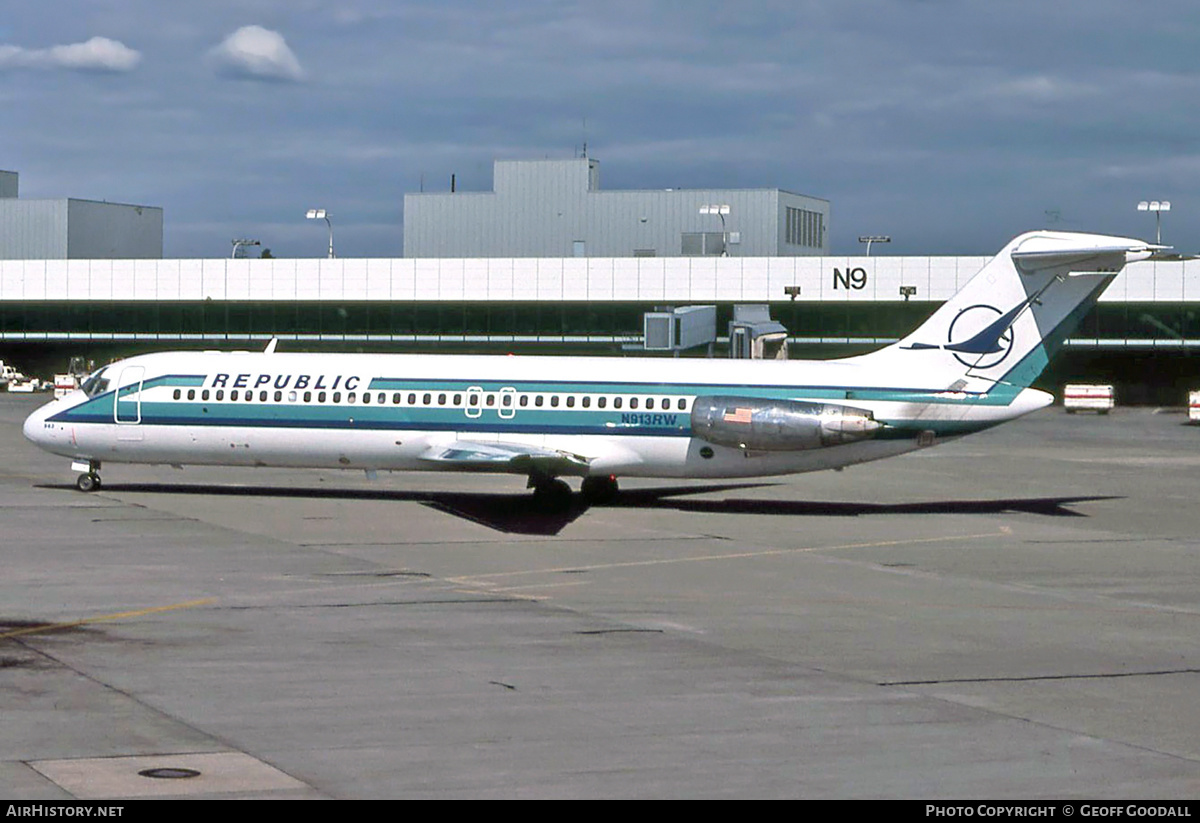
(35, 425)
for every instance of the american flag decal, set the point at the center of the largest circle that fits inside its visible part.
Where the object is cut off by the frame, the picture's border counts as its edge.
(738, 415)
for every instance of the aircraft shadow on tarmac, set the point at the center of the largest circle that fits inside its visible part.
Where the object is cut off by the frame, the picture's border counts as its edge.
(518, 513)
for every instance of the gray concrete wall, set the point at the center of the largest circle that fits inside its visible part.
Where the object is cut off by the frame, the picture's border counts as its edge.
(554, 208)
(33, 229)
(111, 231)
(8, 184)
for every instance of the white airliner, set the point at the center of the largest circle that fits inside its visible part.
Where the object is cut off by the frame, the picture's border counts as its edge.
(965, 369)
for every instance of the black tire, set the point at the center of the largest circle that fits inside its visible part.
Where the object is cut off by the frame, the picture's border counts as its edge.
(599, 491)
(552, 496)
(87, 482)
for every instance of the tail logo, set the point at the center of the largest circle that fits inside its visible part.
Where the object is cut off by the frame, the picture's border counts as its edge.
(984, 333)
(980, 336)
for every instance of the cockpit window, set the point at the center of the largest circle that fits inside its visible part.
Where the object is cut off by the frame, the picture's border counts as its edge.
(96, 383)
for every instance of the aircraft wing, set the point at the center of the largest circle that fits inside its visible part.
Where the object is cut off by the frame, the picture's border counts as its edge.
(512, 458)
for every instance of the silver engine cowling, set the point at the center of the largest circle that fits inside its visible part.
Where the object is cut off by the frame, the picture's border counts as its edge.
(761, 424)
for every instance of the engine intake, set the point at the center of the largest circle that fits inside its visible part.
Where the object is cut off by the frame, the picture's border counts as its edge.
(761, 424)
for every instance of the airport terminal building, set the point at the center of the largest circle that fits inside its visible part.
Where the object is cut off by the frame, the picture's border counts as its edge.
(829, 305)
(556, 208)
(68, 228)
(456, 293)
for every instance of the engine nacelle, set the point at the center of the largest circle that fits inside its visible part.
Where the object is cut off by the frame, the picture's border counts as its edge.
(761, 424)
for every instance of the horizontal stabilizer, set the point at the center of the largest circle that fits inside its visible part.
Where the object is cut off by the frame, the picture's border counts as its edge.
(1039, 251)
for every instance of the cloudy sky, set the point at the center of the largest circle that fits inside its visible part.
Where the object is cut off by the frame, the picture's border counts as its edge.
(949, 124)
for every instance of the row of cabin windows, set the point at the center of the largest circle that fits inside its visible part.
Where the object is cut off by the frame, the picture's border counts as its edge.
(474, 400)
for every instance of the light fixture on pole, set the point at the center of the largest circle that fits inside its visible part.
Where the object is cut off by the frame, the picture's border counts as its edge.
(321, 214)
(719, 209)
(241, 243)
(1158, 207)
(873, 238)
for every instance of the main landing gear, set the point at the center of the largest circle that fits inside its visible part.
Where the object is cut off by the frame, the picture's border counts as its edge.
(89, 480)
(550, 494)
(599, 491)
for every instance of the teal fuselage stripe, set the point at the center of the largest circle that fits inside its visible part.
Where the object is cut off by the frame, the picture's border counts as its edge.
(556, 422)
(497, 419)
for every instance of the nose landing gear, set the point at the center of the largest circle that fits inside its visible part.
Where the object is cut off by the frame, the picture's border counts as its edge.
(89, 480)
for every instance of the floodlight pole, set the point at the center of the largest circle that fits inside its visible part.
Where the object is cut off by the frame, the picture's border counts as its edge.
(1158, 207)
(720, 210)
(242, 243)
(873, 238)
(321, 214)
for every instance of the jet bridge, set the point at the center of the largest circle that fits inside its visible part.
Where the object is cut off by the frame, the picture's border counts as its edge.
(677, 329)
(753, 335)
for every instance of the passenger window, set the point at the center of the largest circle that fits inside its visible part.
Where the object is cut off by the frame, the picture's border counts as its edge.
(366, 397)
(321, 397)
(381, 399)
(506, 399)
(220, 394)
(234, 395)
(602, 402)
(204, 394)
(524, 401)
(633, 402)
(587, 402)
(490, 400)
(337, 397)
(412, 399)
(571, 401)
(177, 394)
(458, 399)
(554, 400)
(291, 397)
(308, 397)
(682, 404)
(396, 399)
(537, 401)
(427, 399)
(618, 402)
(278, 396)
(441, 399)
(191, 394)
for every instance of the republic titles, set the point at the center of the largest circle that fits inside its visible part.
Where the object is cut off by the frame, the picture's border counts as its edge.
(315, 382)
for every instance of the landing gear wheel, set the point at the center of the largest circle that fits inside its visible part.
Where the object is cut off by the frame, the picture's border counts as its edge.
(552, 496)
(600, 490)
(87, 482)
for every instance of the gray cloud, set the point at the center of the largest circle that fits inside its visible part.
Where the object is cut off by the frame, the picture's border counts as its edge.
(950, 125)
(98, 54)
(256, 53)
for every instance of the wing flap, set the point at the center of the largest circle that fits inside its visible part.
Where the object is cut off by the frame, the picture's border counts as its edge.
(510, 458)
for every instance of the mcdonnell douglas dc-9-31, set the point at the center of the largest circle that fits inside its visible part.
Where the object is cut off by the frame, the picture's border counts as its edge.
(967, 368)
